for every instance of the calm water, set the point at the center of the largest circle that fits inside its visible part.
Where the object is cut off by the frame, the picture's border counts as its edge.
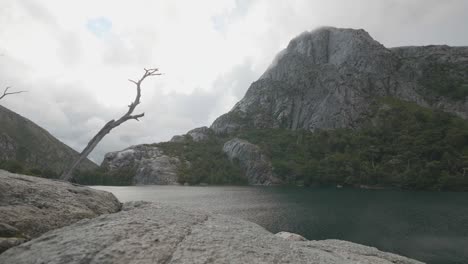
(428, 226)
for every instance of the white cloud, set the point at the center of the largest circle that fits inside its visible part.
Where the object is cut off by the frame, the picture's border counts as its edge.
(74, 57)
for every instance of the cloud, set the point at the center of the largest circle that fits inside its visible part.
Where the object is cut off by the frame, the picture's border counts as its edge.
(74, 57)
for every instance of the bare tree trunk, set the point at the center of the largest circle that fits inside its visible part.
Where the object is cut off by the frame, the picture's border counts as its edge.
(5, 92)
(68, 174)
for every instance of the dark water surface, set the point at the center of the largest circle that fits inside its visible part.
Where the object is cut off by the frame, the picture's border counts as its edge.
(428, 226)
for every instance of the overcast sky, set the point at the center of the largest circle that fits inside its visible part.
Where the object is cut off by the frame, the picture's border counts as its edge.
(74, 57)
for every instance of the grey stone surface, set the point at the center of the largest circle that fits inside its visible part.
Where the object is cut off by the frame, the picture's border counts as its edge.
(147, 163)
(156, 233)
(290, 236)
(328, 78)
(31, 206)
(7, 230)
(200, 134)
(256, 165)
(9, 242)
(23, 141)
(178, 138)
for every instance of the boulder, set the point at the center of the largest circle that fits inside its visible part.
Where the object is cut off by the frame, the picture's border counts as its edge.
(156, 233)
(31, 206)
(147, 163)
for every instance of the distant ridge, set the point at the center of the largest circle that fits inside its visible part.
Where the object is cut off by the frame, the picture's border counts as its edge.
(27, 144)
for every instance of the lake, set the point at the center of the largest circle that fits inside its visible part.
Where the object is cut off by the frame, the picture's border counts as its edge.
(427, 226)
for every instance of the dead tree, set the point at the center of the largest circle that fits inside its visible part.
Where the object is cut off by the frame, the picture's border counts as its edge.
(68, 174)
(5, 92)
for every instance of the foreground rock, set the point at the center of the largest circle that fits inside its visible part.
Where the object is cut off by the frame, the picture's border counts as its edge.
(256, 165)
(147, 163)
(31, 206)
(155, 233)
(290, 236)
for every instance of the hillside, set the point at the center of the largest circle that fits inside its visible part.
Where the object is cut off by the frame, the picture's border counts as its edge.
(334, 107)
(27, 148)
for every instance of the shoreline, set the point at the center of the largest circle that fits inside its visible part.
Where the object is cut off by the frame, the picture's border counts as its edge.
(343, 187)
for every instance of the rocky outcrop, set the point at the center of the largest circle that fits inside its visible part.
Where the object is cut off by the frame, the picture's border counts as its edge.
(31, 206)
(199, 134)
(156, 233)
(147, 163)
(328, 78)
(178, 138)
(256, 165)
(33, 147)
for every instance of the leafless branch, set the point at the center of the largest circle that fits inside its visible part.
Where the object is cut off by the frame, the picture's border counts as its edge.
(68, 175)
(5, 92)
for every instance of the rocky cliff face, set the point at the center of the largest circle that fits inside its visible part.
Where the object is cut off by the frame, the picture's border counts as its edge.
(257, 166)
(23, 141)
(148, 164)
(328, 78)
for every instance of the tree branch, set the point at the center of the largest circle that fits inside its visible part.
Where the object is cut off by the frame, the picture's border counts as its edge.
(68, 175)
(5, 92)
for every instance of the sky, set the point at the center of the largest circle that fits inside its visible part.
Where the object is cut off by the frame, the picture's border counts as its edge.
(74, 58)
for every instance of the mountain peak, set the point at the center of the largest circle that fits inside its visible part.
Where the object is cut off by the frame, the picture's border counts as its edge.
(326, 42)
(327, 78)
(339, 47)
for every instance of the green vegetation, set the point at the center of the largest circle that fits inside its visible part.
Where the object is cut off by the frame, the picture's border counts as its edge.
(89, 177)
(12, 166)
(205, 162)
(446, 80)
(404, 145)
(101, 177)
(15, 166)
(37, 151)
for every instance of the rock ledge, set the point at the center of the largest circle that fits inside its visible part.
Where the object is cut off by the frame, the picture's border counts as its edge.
(31, 206)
